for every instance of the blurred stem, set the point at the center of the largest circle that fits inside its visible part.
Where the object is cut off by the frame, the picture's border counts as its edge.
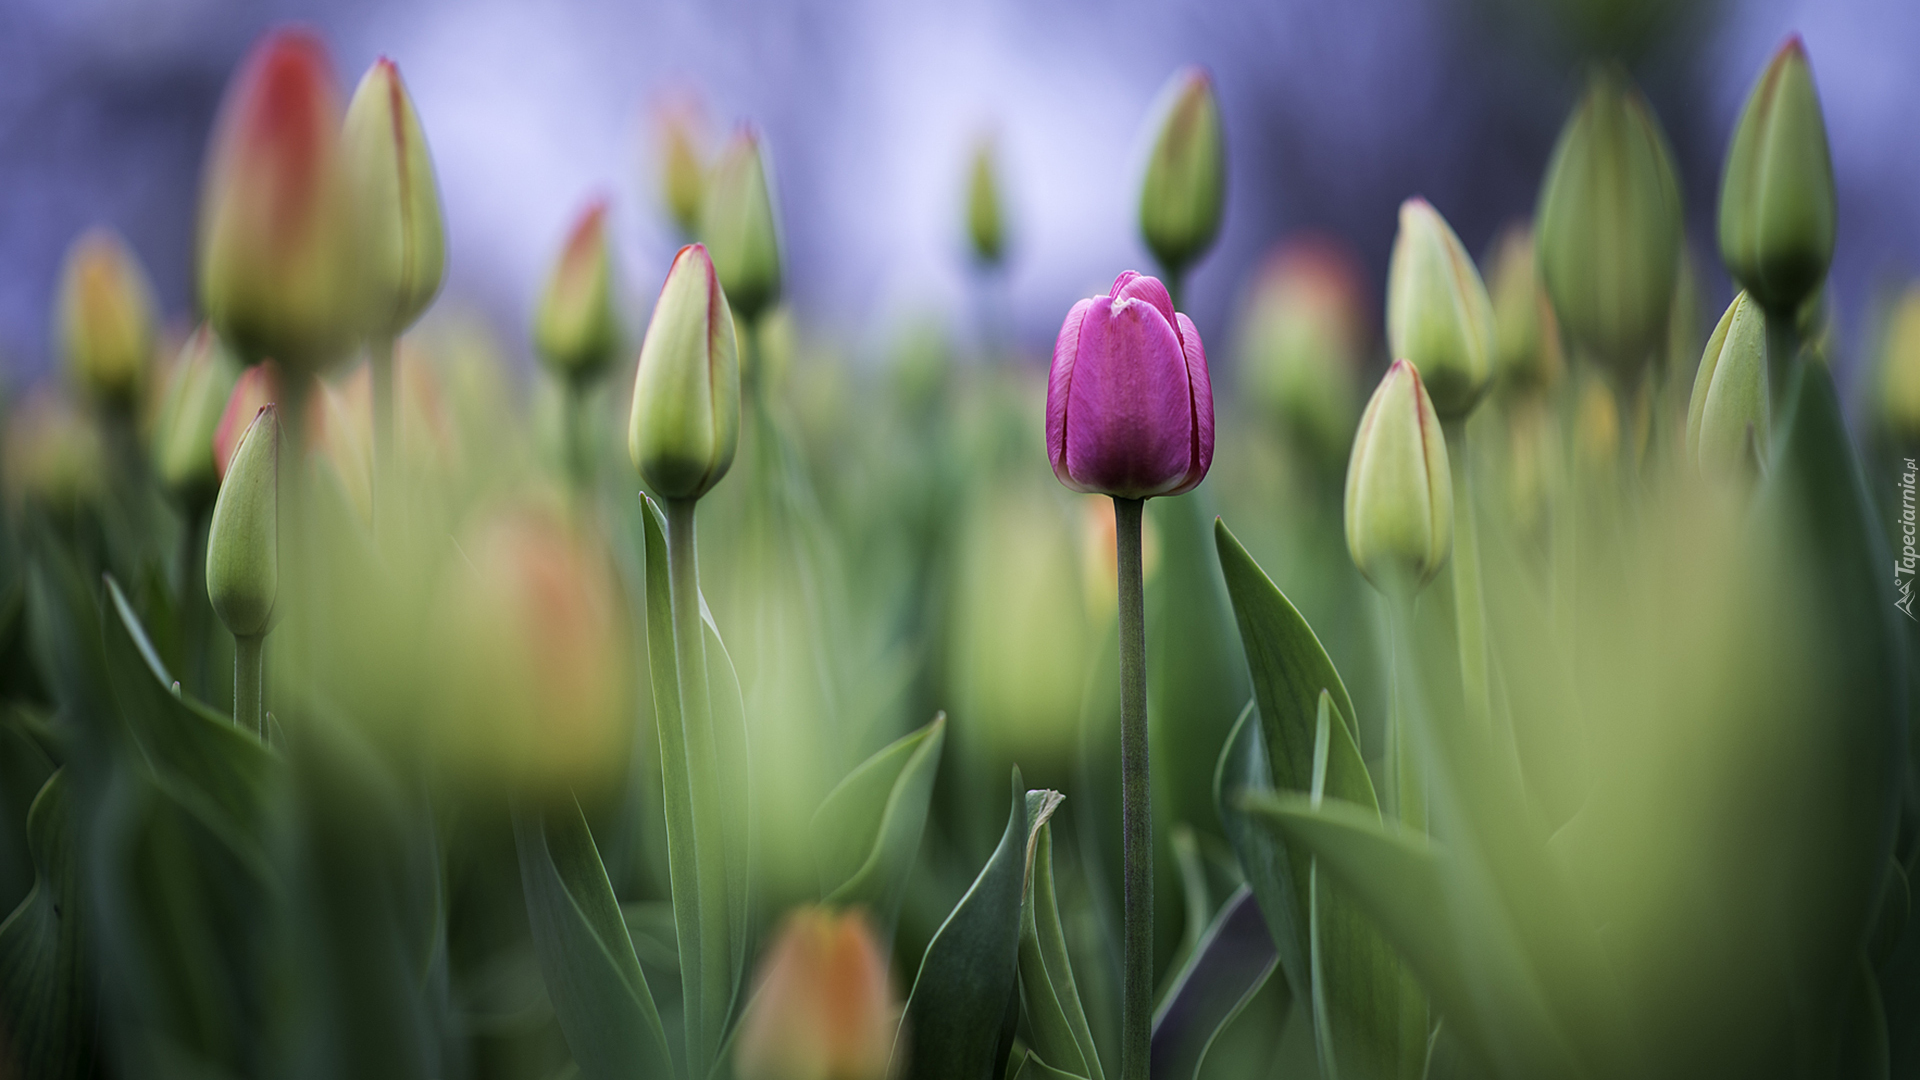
(248, 654)
(1469, 611)
(1176, 283)
(1136, 819)
(380, 349)
(1783, 368)
(1403, 765)
(194, 604)
(707, 1016)
(576, 460)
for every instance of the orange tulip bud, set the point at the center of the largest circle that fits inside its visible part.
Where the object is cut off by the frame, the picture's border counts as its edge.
(825, 1009)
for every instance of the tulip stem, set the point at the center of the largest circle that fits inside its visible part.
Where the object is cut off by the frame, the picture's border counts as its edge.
(573, 440)
(1783, 366)
(1136, 820)
(248, 659)
(1403, 766)
(1469, 610)
(381, 362)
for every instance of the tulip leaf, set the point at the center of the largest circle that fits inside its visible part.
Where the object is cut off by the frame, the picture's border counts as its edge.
(1233, 961)
(728, 710)
(46, 994)
(593, 977)
(965, 988)
(1054, 1012)
(866, 834)
(1032, 1068)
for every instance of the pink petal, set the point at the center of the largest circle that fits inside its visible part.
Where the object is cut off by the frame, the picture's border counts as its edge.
(1059, 380)
(1132, 431)
(1134, 286)
(1200, 390)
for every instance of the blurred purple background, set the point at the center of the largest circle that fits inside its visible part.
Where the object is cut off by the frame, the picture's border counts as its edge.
(1334, 111)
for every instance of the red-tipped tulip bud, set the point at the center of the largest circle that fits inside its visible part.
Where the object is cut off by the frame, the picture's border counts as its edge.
(740, 228)
(1305, 339)
(403, 250)
(685, 422)
(683, 170)
(1129, 403)
(986, 220)
(257, 387)
(1399, 494)
(197, 389)
(1777, 202)
(825, 1008)
(1438, 314)
(576, 329)
(1727, 418)
(243, 538)
(105, 320)
(1185, 187)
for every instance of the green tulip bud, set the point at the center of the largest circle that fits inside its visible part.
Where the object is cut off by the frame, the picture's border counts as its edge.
(243, 553)
(55, 456)
(1185, 188)
(1727, 416)
(1900, 367)
(1438, 314)
(1608, 228)
(576, 330)
(685, 423)
(105, 320)
(1399, 495)
(740, 228)
(1526, 339)
(403, 250)
(985, 227)
(1304, 342)
(1777, 204)
(196, 395)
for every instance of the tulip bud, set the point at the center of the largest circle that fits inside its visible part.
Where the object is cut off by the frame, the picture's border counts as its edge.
(243, 554)
(686, 399)
(576, 329)
(740, 228)
(1129, 403)
(1727, 418)
(1777, 203)
(105, 322)
(683, 176)
(825, 1008)
(197, 390)
(257, 387)
(1304, 342)
(1526, 339)
(1184, 190)
(1900, 367)
(1438, 314)
(1399, 494)
(985, 224)
(1596, 435)
(1608, 228)
(278, 274)
(55, 456)
(403, 252)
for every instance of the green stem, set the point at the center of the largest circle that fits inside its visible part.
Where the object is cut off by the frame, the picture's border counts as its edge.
(706, 1017)
(384, 455)
(248, 654)
(194, 605)
(1403, 765)
(574, 439)
(1783, 368)
(1469, 610)
(1136, 818)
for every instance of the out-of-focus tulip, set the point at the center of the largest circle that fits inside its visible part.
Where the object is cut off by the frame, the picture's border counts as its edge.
(685, 422)
(1399, 509)
(1727, 418)
(1304, 342)
(1608, 227)
(55, 456)
(197, 391)
(278, 273)
(683, 173)
(1439, 316)
(825, 1008)
(1526, 339)
(403, 250)
(340, 437)
(105, 319)
(532, 654)
(1185, 188)
(1777, 202)
(986, 220)
(243, 538)
(1596, 432)
(576, 329)
(740, 229)
(1899, 404)
(256, 388)
(1129, 404)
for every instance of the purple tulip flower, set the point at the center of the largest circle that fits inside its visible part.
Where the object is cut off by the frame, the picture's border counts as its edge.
(1129, 405)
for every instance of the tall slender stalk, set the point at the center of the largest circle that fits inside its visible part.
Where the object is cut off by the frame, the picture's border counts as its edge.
(1136, 813)
(1469, 610)
(1403, 763)
(384, 452)
(248, 656)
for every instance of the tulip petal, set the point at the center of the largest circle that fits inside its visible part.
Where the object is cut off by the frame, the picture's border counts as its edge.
(1136, 286)
(1130, 405)
(1059, 379)
(1200, 389)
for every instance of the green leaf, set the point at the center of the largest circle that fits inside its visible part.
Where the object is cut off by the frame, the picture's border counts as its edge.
(599, 993)
(965, 986)
(866, 834)
(1234, 959)
(46, 993)
(1055, 1014)
(1032, 1068)
(728, 709)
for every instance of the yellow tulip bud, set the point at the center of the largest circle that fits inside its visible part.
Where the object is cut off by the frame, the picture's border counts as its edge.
(105, 321)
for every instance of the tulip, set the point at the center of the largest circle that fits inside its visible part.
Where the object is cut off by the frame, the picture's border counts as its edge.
(576, 328)
(105, 321)
(1727, 416)
(1184, 191)
(1129, 405)
(403, 251)
(278, 273)
(243, 558)
(1526, 339)
(1900, 367)
(1438, 314)
(741, 229)
(1608, 228)
(197, 391)
(1304, 342)
(825, 1008)
(55, 456)
(683, 175)
(257, 387)
(685, 422)
(985, 220)
(1777, 204)
(1399, 509)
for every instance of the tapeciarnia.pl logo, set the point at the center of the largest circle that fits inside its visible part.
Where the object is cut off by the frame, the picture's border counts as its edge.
(1909, 560)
